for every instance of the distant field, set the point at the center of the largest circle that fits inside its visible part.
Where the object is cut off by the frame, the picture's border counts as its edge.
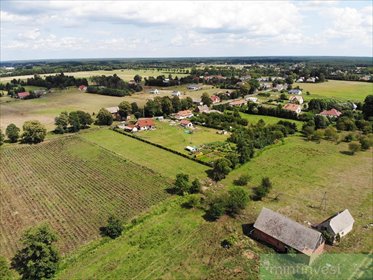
(161, 161)
(341, 90)
(175, 137)
(253, 119)
(74, 186)
(125, 74)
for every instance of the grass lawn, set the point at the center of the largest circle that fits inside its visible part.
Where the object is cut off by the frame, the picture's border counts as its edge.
(166, 163)
(253, 119)
(301, 172)
(170, 243)
(175, 137)
(340, 90)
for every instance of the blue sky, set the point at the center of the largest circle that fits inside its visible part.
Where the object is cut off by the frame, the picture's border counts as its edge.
(103, 29)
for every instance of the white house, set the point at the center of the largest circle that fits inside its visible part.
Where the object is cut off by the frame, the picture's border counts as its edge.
(295, 91)
(338, 225)
(154, 91)
(191, 149)
(186, 124)
(251, 99)
(176, 93)
(293, 107)
(194, 87)
(296, 99)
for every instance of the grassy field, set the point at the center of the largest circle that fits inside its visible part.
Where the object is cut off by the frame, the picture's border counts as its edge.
(340, 90)
(253, 119)
(73, 185)
(125, 74)
(170, 243)
(176, 243)
(159, 160)
(175, 137)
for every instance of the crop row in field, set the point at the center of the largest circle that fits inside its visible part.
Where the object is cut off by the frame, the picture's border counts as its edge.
(74, 185)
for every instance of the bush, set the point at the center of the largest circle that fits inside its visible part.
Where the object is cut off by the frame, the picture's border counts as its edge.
(243, 180)
(330, 133)
(181, 185)
(113, 229)
(229, 241)
(221, 169)
(2, 136)
(195, 187)
(354, 147)
(237, 200)
(365, 143)
(263, 189)
(104, 117)
(216, 208)
(193, 201)
(5, 272)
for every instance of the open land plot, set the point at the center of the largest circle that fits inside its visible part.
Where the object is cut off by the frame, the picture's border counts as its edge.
(173, 136)
(172, 243)
(74, 186)
(301, 173)
(166, 163)
(125, 74)
(340, 90)
(253, 119)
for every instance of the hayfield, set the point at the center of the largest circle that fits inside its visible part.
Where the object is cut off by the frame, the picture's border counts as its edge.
(161, 161)
(340, 90)
(73, 185)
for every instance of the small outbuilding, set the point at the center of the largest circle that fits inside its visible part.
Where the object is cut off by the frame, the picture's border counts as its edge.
(337, 225)
(186, 124)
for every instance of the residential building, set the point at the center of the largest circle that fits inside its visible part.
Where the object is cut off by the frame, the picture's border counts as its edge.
(293, 107)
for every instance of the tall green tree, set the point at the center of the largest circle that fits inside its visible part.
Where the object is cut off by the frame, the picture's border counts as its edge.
(125, 109)
(221, 168)
(176, 103)
(62, 122)
(85, 119)
(33, 132)
(237, 200)
(2, 137)
(104, 117)
(368, 107)
(206, 100)
(12, 132)
(181, 184)
(137, 78)
(74, 122)
(167, 107)
(38, 259)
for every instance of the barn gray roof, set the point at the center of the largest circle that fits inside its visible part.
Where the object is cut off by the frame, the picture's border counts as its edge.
(287, 231)
(341, 221)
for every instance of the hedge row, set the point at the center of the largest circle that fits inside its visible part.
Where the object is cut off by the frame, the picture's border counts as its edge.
(161, 147)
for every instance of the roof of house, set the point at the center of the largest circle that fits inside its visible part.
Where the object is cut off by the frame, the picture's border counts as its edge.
(203, 108)
(340, 221)
(296, 97)
(294, 90)
(82, 87)
(142, 122)
(333, 112)
(184, 122)
(238, 102)
(292, 107)
(287, 231)
(113, 110)
(184, 113)
(214, 98)
(23, 94)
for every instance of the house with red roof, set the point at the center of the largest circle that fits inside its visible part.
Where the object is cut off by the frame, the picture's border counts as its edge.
(332, 113)
(186, 124)
(293, 107)
(23, 95)
(185, 114)
(238, 103)
(215, 99)
(82, 88)
(145, 124)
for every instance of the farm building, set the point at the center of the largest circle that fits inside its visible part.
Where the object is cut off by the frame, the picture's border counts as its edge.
(197, 101)
(293, 107)
(215, 99)
(186, 123)
(194, 87)
(333, 113)
(82, 88)
(251, 99)
(176, 93)
(284, 234)
(145, 124)
(295, 91)
(238, 103)
(296, 99)
(23, 95)
(154, 91)
(191, 149)
(186, 114)
(337, 225)
(114, 111)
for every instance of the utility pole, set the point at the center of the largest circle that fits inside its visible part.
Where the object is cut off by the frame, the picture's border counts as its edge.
(323, 202)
